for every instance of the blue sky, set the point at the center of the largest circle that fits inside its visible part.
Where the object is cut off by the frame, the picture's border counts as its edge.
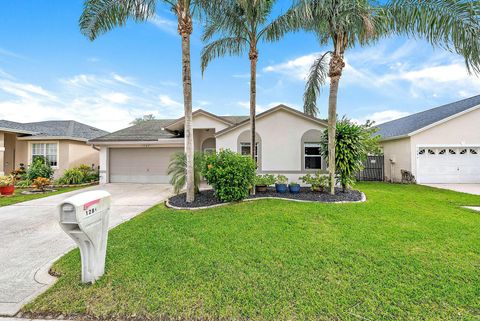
(49, 70)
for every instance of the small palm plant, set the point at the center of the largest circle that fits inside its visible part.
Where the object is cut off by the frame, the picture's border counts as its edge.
(177, 169)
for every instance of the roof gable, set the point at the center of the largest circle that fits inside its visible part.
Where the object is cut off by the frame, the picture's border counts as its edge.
(412, 124)
(271, 111)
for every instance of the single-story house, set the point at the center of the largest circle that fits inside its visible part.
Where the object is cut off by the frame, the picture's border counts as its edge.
(439, 145)
(287, 143)
(62, 142)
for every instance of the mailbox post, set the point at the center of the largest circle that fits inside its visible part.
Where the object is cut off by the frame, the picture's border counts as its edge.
(84, 217)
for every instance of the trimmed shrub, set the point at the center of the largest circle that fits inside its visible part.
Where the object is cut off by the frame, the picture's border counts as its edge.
(72, 176)
(39, 168)
(230, 174)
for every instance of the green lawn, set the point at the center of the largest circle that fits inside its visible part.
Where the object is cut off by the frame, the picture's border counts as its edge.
(408, 253)
(18, 197)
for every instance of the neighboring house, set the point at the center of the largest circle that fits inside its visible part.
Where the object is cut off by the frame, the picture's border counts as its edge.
(287, 143)
(62, 143)
(439, 145)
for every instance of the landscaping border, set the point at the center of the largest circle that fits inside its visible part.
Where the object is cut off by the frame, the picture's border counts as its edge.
(167, 203)
(64, 186)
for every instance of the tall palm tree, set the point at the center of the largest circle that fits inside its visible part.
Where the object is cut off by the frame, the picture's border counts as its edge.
(450, 24)
(238, 26)
(100, 16)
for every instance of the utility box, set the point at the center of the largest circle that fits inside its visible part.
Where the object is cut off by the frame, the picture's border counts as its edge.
(84, 217)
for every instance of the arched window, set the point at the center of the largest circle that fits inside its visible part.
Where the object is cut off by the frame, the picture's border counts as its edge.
(311, 151)
(243, 146)
(209, 145)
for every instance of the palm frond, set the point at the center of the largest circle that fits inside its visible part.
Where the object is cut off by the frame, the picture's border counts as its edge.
(453, 25)
(177, 169)
(232, 46)
(316, 79)
(100, 16)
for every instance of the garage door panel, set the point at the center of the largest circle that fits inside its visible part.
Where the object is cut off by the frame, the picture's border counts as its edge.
(448, 165)
(140, 165)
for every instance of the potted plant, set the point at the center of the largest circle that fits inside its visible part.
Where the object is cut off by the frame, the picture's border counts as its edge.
(263, 181)
(318, 182)
(294, 187)
(281, 182)
(7, 185)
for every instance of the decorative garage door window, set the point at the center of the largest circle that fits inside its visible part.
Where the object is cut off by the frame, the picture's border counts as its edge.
(448, 164)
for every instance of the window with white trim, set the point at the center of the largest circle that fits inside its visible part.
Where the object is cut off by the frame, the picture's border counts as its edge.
(245, 150)
(313, 156)
(47, 151)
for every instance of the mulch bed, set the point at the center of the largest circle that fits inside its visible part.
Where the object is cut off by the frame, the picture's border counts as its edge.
(207, 197)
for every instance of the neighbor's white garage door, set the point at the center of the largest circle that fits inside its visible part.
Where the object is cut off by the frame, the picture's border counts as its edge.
(437, 165)
(140, 165)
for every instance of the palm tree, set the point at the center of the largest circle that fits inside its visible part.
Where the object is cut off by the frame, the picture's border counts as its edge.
(449, 24)
(239, 26)
(100, 16)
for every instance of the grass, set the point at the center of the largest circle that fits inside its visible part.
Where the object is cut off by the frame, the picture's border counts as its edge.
(408, 253)
(18, 197)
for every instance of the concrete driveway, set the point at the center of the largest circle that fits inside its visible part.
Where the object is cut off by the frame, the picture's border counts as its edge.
(463, 188)
(31, 239)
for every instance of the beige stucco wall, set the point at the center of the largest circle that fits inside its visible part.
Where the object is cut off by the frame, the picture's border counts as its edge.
(397, 157)
(9, 155)
(203, 121)
(281, 135)
(461, 130)
(70, 154)
(200, 135)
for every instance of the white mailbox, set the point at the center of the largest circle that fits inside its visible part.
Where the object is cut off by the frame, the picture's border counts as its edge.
(84, 217)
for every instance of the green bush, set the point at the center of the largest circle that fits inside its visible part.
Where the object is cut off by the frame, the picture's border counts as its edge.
(72, 176)
(281, 179)
(230, 174)
(177, 169)
(264, 180)
(39, 168)
(353, 144)
(318, 182)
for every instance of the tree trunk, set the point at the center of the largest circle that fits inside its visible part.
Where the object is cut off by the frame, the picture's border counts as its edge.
(335, 72)
(253, 55)
(185, 28)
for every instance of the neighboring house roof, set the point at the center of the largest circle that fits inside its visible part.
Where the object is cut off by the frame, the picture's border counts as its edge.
(65, 129)
(270, 111)
(198, 112)
(411, 124)
(150, 130)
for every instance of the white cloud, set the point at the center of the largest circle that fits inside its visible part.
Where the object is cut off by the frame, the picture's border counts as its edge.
(167, 25)
(382, 116)
(296, 68)
(116, 97)
(108, 102)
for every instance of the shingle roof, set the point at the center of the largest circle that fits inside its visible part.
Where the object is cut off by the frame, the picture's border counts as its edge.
(54, 128)
(409, 124)
(151, 130)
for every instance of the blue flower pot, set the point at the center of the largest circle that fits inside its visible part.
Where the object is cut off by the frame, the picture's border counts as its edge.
(294, 189)
(281, 188)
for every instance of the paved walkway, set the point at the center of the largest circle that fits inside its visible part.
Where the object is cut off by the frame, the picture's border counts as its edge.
(463, 188)
(31, 239)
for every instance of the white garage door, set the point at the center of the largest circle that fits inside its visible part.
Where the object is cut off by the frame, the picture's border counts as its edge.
(437, 165)
(140, 165)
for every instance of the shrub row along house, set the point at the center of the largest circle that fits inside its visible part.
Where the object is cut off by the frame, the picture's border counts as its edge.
(62, 143)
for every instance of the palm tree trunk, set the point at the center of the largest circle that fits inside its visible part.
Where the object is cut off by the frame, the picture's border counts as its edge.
(185, 28)
(335, 72)
(253, 101)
